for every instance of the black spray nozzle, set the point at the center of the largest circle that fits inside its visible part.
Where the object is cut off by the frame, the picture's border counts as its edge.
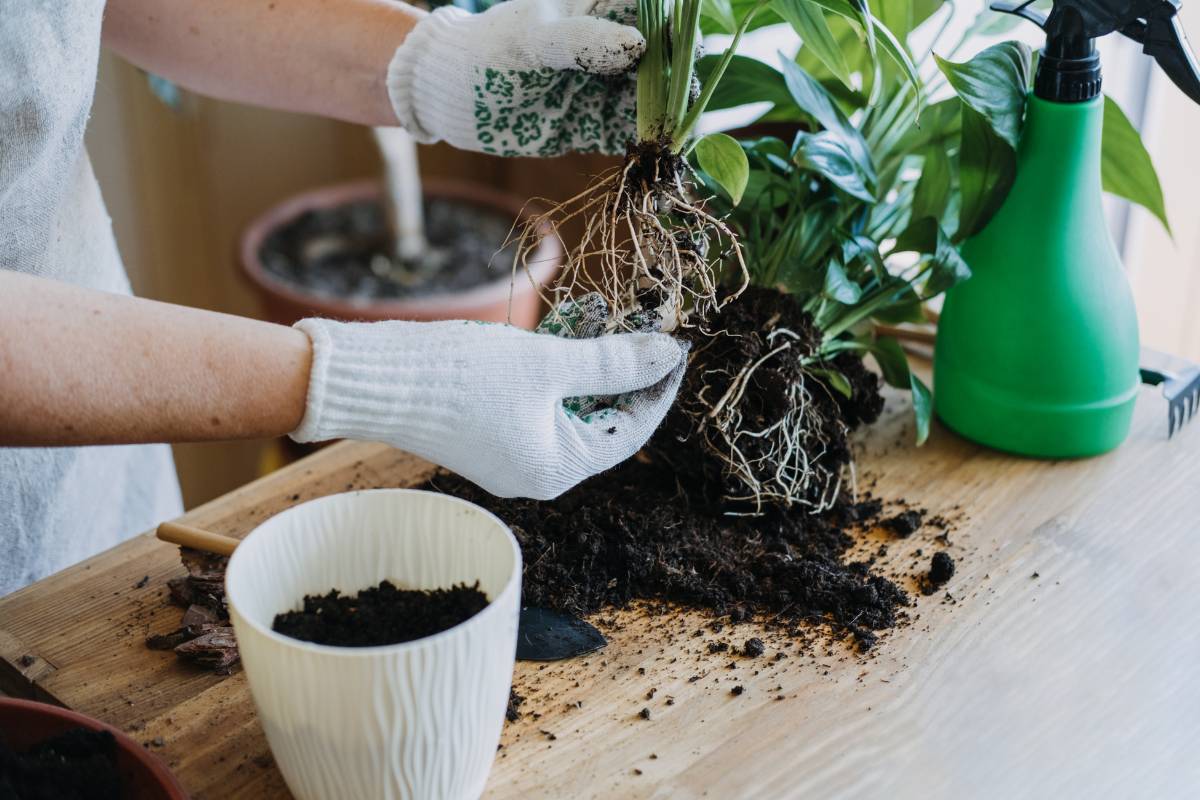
(1069, 70)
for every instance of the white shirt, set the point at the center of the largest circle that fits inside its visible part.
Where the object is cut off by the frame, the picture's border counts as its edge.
(61, 505)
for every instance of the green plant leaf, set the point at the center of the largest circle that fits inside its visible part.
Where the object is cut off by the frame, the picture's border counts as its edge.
(827, 154)
(878, 37)
(838, 286)
(922, 400)
(892, 361)
(993, 84)
(746, 80)
(937, 126)
(836, 380)
(899, 54)
(986, 167)
(862, 248)
(907, 307)
(720, 13)
(933, 189)
(807, 20)
(813, 100)
(725, 161)
(1125, 167)
(946, 265)
(902, 17)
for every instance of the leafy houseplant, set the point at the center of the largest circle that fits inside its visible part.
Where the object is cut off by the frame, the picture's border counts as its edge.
(857, 216)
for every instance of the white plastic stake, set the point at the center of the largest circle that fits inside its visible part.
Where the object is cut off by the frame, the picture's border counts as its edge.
(402, 181)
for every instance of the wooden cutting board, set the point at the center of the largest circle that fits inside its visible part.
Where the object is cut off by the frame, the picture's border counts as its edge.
(1060, 661)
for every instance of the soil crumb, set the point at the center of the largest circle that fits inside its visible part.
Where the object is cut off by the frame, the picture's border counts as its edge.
(513, 712)
(906, 523)
(941, 570)
(78, 764)
(380, 615)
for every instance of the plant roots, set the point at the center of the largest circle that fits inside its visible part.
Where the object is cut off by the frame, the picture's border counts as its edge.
(782, 461)
(766, 427)
(646, 246)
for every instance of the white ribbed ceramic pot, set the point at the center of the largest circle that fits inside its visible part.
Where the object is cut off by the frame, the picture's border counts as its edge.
(416, 720)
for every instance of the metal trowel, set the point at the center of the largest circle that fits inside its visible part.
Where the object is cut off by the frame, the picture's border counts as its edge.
(545, 635)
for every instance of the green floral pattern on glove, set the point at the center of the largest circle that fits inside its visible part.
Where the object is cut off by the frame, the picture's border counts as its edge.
(524, 78)
(547, 112)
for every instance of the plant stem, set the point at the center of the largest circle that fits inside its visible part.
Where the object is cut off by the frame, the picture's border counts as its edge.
(682, 132)
(683, 62)
(651, 100)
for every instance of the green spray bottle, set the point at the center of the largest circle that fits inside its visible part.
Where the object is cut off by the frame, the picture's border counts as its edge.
(1037, 353)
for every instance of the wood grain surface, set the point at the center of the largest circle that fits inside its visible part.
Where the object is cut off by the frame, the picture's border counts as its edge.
(1060, 661)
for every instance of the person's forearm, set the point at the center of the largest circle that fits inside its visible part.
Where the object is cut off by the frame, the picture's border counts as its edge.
(313, 56)
(84, 367)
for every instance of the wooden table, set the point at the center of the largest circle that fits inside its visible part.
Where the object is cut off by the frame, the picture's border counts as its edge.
(1062, 662)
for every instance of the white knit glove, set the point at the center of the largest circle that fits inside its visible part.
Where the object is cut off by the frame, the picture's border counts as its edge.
(525, 77)
(486, 401)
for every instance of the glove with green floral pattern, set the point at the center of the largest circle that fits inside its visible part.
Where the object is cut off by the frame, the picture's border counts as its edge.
(524, 78)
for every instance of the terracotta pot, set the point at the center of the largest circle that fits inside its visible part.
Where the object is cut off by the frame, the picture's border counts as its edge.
(286, 302)
(24, 723)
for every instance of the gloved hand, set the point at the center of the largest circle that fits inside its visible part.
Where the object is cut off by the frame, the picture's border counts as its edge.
(486, 401)
(525, 77)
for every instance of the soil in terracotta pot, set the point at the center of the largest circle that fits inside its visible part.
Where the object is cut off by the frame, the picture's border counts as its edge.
(78, 764)
(383, 614)
(347, 252)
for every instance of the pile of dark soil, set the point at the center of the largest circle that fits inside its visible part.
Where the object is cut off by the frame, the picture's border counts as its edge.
(380, 615)
(76, 765)
(746, 332)
(347, 252)
(636, 533)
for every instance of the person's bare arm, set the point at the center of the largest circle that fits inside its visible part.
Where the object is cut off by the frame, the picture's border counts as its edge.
(327, 57)
(84, 367)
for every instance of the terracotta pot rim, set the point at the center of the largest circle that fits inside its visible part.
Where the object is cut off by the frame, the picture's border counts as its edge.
(544, 261)
(157, 769)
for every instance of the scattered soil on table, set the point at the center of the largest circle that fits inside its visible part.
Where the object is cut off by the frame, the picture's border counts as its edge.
(346, 252)
(78, 764)
(635, 533)
(380, 615)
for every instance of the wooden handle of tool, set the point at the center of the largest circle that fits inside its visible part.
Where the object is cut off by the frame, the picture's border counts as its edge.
(195, 538)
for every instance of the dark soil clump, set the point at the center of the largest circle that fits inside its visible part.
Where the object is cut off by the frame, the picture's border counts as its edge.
(78, 764)
(347, 252)
(651, 165)
(380, 615)
(905, 524)
(941, 568)
(746, 332)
